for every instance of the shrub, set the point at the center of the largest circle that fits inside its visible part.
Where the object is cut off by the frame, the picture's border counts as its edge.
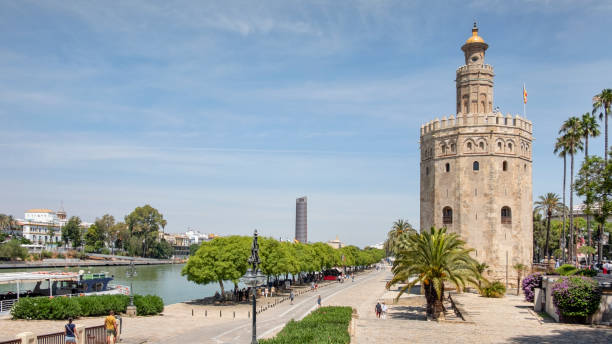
(60, 256)
(586, 272)
(575, 297)
(529, 284)
(105, 250)
(566, 270)
(325, 325)
(46, 254)
(58, 308)
(495, 289)
(148, 304)
(43, 308)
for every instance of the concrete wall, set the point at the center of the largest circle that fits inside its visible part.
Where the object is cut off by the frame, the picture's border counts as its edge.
(602, 316)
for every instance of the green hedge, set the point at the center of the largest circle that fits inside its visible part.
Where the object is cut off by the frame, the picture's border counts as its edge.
(44, 308)
(325, 325)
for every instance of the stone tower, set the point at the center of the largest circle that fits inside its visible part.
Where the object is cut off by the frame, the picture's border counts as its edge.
(476, 171)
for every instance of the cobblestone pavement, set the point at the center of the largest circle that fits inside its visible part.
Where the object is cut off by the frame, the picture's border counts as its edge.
(506, 320)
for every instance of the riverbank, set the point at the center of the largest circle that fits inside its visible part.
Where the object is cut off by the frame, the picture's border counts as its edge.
(61, 263)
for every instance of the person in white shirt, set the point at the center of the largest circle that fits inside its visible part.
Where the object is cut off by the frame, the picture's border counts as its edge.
(384, 310)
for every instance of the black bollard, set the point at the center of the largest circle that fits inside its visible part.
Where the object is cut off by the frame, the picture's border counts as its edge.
(219, 313)
(206, 312)
(192, 312)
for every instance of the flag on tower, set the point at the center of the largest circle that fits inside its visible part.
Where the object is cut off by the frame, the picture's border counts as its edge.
(524, 94)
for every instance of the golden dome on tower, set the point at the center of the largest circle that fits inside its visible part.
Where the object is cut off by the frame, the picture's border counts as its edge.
(475, 38)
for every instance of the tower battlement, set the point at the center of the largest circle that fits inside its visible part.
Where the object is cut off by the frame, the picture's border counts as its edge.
(481, 119)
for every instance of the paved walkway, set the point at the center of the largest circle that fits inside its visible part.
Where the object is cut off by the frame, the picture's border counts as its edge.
(505, 320)
(177, 325)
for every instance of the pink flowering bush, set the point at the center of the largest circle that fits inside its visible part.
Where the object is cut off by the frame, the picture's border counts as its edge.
(529, 284)
(576, 297)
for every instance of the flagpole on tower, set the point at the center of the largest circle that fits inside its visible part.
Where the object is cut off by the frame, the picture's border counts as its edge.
(524, 101)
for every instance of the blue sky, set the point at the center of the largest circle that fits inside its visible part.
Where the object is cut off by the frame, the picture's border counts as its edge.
(221, 113)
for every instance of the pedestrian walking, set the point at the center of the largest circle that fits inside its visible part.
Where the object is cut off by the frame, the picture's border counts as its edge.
(378, 309)
(110, 323)
(352, 277)
(291, 296)
(272, 290)
(319, 302)
(70, 332)
(384, 311)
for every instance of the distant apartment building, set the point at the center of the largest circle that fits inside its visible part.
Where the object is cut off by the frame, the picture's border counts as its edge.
(196, 237)
(301, 220)
(44, 226)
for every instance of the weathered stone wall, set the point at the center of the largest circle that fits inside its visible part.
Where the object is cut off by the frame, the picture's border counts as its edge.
(449, 149)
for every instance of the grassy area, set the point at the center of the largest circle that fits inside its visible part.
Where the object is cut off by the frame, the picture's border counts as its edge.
(327, 325)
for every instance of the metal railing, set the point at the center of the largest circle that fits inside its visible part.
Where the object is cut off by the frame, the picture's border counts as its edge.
(95, 335)
(52, 338)
(6, 305)
(12, 341)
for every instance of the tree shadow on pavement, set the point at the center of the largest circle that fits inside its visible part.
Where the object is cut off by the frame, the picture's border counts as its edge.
(569, 336)
(408, 313)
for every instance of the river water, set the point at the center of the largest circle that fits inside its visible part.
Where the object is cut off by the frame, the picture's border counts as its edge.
(162, 280)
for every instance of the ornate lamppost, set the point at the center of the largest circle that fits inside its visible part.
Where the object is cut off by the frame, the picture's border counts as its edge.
(131, 273)
(252, 278)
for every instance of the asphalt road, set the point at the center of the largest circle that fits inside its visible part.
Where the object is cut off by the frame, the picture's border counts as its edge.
(269, 321)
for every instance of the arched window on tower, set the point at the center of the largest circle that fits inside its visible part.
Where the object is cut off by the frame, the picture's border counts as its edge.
(506, 215)
(447, 215)
(481, 145)
(510, 147)
(475, 166)
(452, 148)
(505, 166)
(499, 146)
(469, 146)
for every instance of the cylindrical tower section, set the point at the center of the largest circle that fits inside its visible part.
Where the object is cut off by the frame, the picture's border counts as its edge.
(301, 220)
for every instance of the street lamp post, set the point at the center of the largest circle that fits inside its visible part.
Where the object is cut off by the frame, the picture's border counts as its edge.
(131, 273)
(253, 278)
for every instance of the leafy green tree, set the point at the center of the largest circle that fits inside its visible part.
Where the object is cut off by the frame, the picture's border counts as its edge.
(145, 222)
(71, 232)
(590, 128)
(434, 258)
(548, 204)
(162, 249)
(7, 223)
(193, 248)
(218, 260)
(104, 226)
(595, 183)
(602, 102)
(328, 257)
(120, 234)
(572, 133)
(12, 250)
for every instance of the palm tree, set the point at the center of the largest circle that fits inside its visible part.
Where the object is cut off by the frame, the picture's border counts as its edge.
(520, 269)
(572, 132)
(561, 151)
(481, 268)
(548, 204)
(590, 128)
(433, 258)
(602, 102)
(397, 235)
